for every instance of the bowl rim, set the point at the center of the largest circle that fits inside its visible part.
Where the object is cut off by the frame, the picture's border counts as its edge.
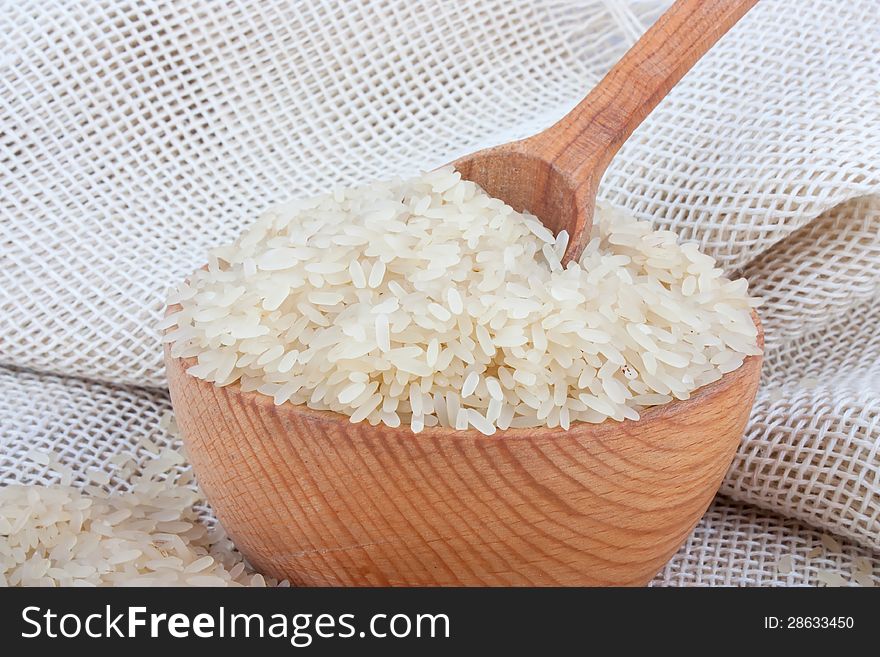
(576, 430)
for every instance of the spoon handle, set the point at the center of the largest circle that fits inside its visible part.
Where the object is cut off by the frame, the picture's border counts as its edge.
(583, 142)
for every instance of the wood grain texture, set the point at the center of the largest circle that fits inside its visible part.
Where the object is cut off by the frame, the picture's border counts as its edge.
(555, 174)
(308, 496)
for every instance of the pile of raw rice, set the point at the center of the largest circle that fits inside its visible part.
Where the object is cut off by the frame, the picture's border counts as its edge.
(426, 302)
(148, 535)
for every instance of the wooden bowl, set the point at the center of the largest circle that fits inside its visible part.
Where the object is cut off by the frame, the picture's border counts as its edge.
(310, 497)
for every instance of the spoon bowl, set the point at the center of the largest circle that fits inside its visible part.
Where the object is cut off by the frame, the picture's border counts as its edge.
(310, 497)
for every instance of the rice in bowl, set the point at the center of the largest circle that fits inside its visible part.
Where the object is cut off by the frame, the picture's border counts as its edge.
(426, 302)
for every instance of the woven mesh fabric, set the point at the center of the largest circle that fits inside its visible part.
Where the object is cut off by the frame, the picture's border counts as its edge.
(135, 135)
(738, 545)
(84, 423)
(812, 447)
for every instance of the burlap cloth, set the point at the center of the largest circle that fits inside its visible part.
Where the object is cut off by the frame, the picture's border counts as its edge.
(135, 135)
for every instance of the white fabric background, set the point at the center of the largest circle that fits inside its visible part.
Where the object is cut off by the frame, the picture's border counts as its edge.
(135, 135)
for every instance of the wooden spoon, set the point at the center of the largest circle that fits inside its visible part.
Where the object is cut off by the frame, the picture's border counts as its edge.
(555, 174)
